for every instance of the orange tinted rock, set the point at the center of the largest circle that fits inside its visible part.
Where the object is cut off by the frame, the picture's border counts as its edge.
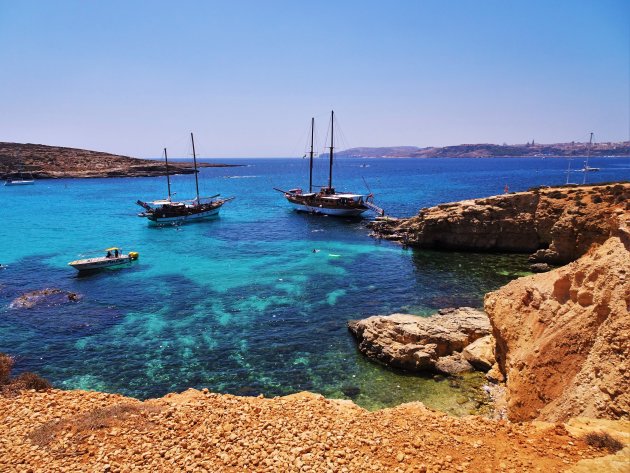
(558, 224)
(569, 355)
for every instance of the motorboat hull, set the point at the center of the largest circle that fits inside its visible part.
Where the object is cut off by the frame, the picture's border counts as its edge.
(19, 183)
(100, 263)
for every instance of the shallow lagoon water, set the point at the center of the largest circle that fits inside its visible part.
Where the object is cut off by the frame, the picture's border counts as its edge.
(242, 304)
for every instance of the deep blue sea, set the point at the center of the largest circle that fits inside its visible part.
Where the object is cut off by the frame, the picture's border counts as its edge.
(241, 304)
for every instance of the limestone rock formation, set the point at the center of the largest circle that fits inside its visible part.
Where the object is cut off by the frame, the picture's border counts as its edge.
(558, 225)
(480, 353)
(563, 337)
(418, 343)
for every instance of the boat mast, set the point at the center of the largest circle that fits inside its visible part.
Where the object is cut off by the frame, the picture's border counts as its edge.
(310, 175)
(192, 140)
(330, 164)
(588, 155)
(168, 178)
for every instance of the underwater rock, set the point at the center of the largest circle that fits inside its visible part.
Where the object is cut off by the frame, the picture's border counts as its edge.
(44, 297)
(539, 267)
(351, 391)
(415, 343)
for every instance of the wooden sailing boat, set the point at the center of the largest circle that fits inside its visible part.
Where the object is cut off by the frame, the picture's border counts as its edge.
(328, 201)
(169, 211)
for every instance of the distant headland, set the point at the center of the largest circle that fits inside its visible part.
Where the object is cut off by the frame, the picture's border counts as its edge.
(485, 150)
(53, 162)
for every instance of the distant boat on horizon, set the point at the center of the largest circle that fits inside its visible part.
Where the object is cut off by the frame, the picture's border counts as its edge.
(168, 211)
(588, 168)
(328, 201)
(20, 181)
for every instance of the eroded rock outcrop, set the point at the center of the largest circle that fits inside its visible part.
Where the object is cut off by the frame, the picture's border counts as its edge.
(558, 224)
(416, 343)
(563, 337)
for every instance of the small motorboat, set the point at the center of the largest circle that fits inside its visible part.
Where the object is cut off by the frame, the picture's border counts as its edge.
(113, 257)
(19, 182)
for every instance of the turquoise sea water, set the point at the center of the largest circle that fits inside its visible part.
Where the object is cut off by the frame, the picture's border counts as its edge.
(241, 304)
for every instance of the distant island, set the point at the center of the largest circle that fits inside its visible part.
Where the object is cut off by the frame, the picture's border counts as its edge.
(53, 162)
(485, 150)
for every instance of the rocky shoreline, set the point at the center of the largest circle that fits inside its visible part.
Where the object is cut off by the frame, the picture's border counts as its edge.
(560, 339)
(555, 225)
(55, 162)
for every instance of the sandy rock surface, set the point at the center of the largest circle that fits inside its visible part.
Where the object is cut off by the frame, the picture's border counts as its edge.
(417, 343)
(563, 337)
(205, 432)
(557, 224)
(480, 353)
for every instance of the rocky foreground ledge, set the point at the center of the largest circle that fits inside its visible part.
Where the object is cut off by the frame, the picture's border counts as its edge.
(204, 432)
(557, 225)
(53, 162)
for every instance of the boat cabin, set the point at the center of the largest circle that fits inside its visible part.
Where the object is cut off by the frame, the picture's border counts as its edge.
(113, 252)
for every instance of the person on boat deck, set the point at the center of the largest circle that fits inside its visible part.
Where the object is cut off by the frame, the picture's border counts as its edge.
(116, 253)
(108, 255)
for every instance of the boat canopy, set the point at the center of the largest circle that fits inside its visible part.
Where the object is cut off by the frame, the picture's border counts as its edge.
(349, 196)
(160, 202)
(112, 249)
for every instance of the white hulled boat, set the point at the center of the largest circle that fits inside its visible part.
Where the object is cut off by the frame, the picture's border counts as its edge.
(328, 201)
(21, 180)
(114, 257)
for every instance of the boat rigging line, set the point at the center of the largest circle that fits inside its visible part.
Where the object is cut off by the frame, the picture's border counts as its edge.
(588, 155)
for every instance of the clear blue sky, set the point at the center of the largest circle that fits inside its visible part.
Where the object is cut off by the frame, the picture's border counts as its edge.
(246, 76)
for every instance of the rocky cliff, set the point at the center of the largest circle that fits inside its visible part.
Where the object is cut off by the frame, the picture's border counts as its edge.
(557, 225)
(46, 162)
(563, 337)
